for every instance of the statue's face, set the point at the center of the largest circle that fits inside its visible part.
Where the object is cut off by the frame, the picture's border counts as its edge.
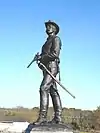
(50, 29)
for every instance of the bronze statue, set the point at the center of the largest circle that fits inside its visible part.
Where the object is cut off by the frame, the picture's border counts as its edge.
(50, 58)
(49, 64)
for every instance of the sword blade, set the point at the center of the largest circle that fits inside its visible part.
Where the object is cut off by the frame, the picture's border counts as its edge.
(56, 79)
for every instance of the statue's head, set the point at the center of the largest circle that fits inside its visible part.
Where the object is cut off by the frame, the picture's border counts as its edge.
(51, 27)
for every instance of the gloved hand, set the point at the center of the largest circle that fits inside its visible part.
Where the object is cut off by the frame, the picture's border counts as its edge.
(38, 57)
(40, 66)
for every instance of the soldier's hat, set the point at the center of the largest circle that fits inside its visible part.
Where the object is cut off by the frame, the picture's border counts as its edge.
(53, 23)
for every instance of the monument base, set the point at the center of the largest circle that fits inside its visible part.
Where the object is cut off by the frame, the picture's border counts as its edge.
(49, 128)
(25, 127)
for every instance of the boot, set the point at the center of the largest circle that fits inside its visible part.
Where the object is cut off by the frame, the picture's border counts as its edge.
(41, 119)
(44, 102)
(56, 119)
(57, 106)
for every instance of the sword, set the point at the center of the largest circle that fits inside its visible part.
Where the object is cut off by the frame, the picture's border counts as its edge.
(55, 78)
(44, 67)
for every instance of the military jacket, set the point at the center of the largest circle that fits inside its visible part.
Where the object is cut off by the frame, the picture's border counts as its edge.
(51, 51)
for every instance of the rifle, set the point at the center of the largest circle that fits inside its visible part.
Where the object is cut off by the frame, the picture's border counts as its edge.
(34, 59)
(44, 67)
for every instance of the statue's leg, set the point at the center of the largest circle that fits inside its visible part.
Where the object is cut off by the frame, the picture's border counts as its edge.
(56, 104)
(44, 98)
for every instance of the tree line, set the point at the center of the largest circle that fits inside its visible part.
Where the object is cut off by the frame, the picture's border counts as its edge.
(79, 119)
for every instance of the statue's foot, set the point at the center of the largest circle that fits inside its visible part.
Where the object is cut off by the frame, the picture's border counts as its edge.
(55, 121)
(40, 122)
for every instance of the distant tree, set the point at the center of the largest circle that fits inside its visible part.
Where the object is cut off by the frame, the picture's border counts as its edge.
(19, 107)
(35, 108)
(98, 108)
(75, 126)
(9, 113)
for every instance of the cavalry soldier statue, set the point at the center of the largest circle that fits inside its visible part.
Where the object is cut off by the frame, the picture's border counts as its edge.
(50, 58)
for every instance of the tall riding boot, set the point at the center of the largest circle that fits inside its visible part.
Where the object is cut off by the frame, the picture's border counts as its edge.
(57, 106)
(44, 102)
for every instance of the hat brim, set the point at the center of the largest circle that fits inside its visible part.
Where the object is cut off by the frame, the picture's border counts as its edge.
(57, 27)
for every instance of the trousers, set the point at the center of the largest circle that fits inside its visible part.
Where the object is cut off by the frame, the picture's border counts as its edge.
(48, 86)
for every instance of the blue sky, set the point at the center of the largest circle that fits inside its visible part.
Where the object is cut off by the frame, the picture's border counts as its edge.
(22, 34)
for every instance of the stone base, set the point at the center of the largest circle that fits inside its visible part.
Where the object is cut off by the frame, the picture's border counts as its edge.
(49, 128)
(25, 127)
(51, 132)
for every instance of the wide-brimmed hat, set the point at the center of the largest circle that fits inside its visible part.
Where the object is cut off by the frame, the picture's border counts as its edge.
(53, 23)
